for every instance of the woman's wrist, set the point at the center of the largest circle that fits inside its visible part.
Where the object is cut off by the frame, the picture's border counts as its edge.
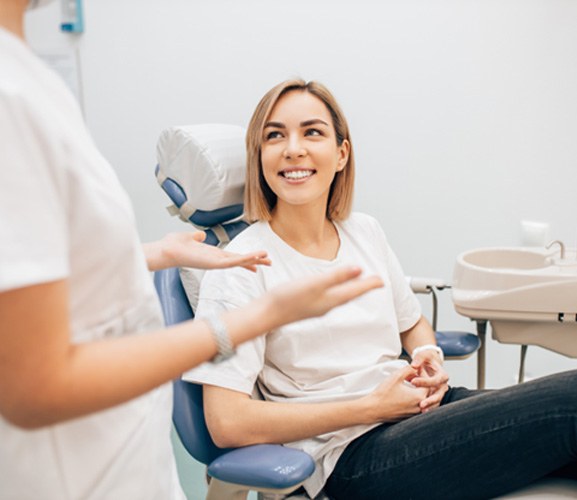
(428, 347)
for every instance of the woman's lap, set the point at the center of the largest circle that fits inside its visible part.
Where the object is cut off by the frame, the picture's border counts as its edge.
(478, 444)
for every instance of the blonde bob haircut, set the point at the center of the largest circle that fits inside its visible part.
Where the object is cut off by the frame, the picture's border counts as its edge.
(259, 199)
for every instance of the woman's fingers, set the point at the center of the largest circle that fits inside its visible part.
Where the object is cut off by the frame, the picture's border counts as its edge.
(434, 399)
(249, 261)
(317, 295)
(431, 374)
(344, 284)
(199, 236)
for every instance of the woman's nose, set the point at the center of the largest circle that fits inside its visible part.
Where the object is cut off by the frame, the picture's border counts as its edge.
(294, 148)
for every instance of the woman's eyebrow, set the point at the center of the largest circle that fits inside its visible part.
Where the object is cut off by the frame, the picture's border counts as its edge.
(313, 121)
(274, 124)
(306, 123)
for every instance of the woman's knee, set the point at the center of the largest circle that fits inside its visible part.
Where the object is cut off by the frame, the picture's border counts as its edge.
(559, 390)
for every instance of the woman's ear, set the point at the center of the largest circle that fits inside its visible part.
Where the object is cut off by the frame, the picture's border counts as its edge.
(343, 154)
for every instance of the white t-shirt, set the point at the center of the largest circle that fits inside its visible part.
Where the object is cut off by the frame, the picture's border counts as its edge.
(342, 355)
(64, 215)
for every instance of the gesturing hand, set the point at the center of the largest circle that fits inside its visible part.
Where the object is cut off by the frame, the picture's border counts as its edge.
(432, 376)
(186, 249)
(314, 296)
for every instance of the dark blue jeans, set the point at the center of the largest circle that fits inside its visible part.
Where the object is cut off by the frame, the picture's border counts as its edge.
(477, 444)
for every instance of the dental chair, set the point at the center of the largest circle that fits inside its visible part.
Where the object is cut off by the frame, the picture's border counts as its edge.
(264, 468)
(201, 168)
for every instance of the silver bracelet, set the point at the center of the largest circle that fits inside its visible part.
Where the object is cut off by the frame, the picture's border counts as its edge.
(427, 347)
(221, 338)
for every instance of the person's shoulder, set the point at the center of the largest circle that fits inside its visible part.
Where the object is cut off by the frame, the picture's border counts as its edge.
(364, 227)
(237, 278)
(250, 239)
(29, 88)
(19, 67)
(360, 220)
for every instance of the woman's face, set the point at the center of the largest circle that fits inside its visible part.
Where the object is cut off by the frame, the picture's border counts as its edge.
(299, 152)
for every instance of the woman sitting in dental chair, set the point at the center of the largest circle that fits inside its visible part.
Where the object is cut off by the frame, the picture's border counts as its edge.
(335, 386)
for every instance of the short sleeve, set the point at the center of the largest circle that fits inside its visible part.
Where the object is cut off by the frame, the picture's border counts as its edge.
(407, 307)
(33, 220)
(221, 291)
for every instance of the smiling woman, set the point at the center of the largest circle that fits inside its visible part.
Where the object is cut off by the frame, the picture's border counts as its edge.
(337, 388)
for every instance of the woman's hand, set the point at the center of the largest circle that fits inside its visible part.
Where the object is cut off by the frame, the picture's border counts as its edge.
(432, 376)
(395, 399)
(314, 296)
(187, 249)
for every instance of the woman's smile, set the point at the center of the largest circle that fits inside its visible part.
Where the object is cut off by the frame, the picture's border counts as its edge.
(297, 174)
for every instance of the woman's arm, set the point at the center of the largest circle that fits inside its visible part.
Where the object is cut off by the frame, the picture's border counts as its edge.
(44, 378)
(234, 419)
(187, 249)
(418, 335)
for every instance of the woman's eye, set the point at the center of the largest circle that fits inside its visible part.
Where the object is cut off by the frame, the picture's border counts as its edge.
(275, 134)
(313, 131)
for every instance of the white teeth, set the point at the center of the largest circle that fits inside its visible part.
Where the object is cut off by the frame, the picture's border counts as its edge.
(297, 174)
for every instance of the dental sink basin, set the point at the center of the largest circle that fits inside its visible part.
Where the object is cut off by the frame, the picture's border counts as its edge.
(528, 295)
(506, 258)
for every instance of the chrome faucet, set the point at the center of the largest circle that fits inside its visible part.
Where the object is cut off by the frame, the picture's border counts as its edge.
(561, 247)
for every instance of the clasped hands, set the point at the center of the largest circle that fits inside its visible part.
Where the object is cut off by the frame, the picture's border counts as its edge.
(429, 374)
(413, 389)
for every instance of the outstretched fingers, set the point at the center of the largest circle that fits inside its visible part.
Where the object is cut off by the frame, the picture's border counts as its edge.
(249, 261)
(431, 374)
(344, 285)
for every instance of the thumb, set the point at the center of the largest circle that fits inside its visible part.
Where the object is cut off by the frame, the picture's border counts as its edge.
(417, 363)
(407, 373)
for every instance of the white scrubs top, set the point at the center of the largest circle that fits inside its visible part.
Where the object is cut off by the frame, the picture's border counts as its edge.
(64, 215)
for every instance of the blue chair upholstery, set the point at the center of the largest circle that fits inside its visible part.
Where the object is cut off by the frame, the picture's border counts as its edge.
(457, 345)
(260, 467)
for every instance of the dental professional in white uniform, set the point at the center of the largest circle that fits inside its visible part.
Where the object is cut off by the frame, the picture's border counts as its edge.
(85, 362)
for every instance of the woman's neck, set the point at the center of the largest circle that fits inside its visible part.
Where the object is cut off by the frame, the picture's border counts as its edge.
(308, 231)
(12, 16)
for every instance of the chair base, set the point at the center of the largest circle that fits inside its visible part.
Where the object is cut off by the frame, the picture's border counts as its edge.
(219, 490)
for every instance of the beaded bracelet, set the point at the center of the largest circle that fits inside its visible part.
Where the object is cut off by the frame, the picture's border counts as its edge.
(221, 338)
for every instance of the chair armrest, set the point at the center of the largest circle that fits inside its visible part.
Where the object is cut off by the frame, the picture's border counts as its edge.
(425, 285)
(263, 466)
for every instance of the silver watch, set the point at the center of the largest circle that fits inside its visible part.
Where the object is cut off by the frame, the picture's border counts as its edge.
(220, 335)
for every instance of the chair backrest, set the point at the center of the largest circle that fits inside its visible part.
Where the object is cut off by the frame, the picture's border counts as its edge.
(188, 413)
(201, 168)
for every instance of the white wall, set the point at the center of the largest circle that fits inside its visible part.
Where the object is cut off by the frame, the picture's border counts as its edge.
(463, 112)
